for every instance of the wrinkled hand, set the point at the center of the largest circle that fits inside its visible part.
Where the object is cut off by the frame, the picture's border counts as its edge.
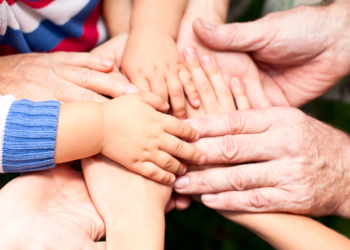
(153, 63)
(231, 64)
(63, 76)
(51, 209)
(301, 53)
(301, 163)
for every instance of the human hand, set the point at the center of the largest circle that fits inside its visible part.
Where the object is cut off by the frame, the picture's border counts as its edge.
(231, 64)
(295, 50)
(153, 63)
(144, 140)
(300, 163)
(50, 209)
(131, 206)
(63, 76)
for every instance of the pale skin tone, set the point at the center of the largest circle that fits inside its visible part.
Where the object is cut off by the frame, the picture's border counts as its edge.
(151, 59)
(282, 231)
(130, 131)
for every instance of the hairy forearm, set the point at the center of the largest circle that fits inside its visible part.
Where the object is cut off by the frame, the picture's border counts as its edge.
(79, 131)
(117, 14)
(214, 11)
(289, 232)
(157, 16)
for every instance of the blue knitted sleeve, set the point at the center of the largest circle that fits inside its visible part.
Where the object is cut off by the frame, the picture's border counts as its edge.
(29, 138)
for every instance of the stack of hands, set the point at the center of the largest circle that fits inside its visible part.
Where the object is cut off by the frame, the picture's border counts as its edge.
(268, 159)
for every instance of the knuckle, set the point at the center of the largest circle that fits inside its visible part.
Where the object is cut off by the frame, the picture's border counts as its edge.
(180, 148)
(153, 173)
(170, 163)
(204, 87)
(177, 93)
(237, 179)
(181, 128)
(88, 96)
(229, 201)
(85, 77)
(235, 123)
(230, 147)
(257, 200)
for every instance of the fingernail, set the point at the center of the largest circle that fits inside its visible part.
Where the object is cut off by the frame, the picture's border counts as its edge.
(172, 180)
(190, 52)
(197, 137)
(237, 82)
(207, 25)
(106, 63)
(206, 60)
(202, 159)
(167, 105)
(129, 89)
(184, 170)
(182, 182)
(209, 197)
(196, 102)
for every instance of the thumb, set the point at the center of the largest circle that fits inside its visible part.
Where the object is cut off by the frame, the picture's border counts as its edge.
(250, 36)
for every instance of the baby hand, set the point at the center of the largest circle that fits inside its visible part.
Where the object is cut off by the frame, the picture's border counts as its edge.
(152, 62)
(144, 140)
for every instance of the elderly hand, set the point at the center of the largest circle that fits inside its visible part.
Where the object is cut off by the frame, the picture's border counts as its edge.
(63, 76)
(51, 209)
(293, 163)
(301, 53)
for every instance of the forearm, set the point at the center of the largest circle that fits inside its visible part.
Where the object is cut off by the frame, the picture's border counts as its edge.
(157, 16)
(79, 131)
(213, 11)
(117, 14)
(131, 206)
(289, 232)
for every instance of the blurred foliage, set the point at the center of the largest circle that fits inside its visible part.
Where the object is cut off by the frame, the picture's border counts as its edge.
(201, 228)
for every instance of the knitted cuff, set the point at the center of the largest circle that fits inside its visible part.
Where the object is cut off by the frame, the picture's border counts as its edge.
(30, 136)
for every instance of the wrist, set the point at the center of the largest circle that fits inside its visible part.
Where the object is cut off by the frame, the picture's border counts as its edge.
(213, 11)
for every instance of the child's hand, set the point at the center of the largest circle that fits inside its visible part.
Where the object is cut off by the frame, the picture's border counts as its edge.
(152, 62)
(144, 140)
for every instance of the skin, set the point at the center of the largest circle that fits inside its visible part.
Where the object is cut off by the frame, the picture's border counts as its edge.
(130, 131)
(282, 231)
(60, 76)
(151, 60)
(295, 50)
(50, 209)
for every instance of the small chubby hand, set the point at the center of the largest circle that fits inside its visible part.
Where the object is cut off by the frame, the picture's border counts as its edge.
(153, 63)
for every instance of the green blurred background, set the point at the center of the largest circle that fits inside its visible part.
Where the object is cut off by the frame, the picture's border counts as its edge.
(201, 228)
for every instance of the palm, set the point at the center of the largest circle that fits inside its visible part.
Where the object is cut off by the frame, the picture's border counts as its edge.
(50, 210)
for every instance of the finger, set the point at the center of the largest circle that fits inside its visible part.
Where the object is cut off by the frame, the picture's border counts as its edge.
(236, 148)
(165, 161)
(154, 101)
(183, 150)
(68, 92)
(159, 87)
(189, 88)
(239, 94)
(182, 202)
(141, 83)
(180, 129)
(82, 59)
(97, 81)
(237, 122)
(256, 200)
(221, 89)
(205, 90)
(177, 97)
(194, 112)
(222, 179)
(155, 173)
(170, 206)
(250, 36)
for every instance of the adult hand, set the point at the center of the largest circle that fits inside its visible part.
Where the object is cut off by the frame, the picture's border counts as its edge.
(231, 64)
(51, 209)
(301, 52)
(63, 76)
(301, 164)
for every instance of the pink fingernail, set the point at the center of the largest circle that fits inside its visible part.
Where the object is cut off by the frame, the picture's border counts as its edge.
(184, 170)
(237, 82)
(182, 182)
(129, 89)
(207, 25)
(172, 180)
(190, 52)
(206, 60)
(106, 63)
(209, 197)
(197, 137)
(196, 102)
(202, 160)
